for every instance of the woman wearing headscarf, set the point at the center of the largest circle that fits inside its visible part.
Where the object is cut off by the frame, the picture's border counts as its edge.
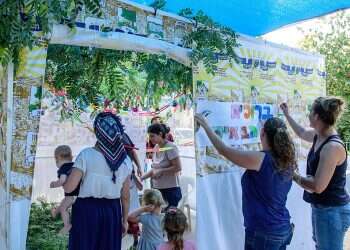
(99, 215)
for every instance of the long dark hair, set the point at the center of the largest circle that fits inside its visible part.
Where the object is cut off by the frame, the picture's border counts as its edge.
(281, 144)
(175, 225)
(159, 129)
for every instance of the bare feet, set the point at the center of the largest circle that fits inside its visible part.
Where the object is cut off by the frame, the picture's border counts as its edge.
(54, 212)
(65, 230)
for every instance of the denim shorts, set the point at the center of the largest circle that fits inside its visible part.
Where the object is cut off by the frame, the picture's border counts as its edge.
(172, 196)
(258, 240)
(329, 225)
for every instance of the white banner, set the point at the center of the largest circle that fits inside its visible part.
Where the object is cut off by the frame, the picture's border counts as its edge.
(236, 100)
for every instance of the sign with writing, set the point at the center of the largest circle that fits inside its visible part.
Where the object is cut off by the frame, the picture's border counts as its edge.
(236, 101)
(235, 123)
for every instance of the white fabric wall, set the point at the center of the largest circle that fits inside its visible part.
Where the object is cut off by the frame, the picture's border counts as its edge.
(2, 218)
(19, 224)
(220, 219)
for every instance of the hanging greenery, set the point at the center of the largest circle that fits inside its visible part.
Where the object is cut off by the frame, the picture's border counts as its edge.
(22, 19)
(209, 40)
(128, 79)
(89, 75)
(137, 79)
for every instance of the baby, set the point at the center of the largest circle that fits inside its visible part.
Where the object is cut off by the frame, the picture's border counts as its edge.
(63, 156)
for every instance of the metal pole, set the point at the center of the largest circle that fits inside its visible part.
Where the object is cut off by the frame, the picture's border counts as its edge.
(9, 127)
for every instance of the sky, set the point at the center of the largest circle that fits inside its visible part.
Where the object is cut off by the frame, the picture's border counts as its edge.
(291, 35)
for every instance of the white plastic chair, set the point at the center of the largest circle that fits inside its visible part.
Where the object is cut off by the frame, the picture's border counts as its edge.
(187, 186)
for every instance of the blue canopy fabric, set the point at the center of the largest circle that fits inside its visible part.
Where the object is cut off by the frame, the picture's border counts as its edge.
(256, 17)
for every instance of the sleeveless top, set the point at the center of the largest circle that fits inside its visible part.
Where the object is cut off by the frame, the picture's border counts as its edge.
(335, 194)
(264, 197)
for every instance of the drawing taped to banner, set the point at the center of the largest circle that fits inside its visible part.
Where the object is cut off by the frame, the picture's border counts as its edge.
(237, 124)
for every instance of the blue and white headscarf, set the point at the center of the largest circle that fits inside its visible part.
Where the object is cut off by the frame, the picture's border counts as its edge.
(110, 133)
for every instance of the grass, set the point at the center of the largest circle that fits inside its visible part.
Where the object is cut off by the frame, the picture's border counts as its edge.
(43, 229)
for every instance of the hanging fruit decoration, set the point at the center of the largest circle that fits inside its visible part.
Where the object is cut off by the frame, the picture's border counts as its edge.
(108, 107)
(138, 101)
(60, 93)
(189, 103)
(182, 103)
(157, 111)
(106, 103)
(168, 114)
(127, 102)
(174, 105)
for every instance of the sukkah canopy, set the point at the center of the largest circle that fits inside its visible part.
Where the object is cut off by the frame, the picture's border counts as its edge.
(257, 17)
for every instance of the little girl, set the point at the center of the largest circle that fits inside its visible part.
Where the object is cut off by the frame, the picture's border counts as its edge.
(135, 184)
(149, 215)
(175, 225)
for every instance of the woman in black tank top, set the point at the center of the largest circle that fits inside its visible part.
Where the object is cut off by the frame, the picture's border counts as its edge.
(326, 173)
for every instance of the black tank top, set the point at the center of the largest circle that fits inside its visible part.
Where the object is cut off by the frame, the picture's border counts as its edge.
(335, 194)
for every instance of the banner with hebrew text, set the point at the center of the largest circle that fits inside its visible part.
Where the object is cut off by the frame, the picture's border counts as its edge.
(236, 101)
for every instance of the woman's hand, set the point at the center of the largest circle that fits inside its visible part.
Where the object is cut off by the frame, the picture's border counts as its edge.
(156, 148)
(296, 177)
(284, 108)
(157, 173)
(139, 172)
(125, 227)
(201, 120)
(155, 166)
(53, 184)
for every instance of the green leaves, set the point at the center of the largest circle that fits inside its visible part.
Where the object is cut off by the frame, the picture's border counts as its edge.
(209, 39)
(5, 55)
(332, 39)
(87, 74)
(129, 79)
(158, 4)
(93, 6)
(20, 19)
(43, 229)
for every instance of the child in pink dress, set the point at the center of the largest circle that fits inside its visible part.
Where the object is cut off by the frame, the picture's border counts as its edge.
(175, 225)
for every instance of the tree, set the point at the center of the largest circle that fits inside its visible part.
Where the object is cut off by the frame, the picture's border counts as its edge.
(333, 41)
